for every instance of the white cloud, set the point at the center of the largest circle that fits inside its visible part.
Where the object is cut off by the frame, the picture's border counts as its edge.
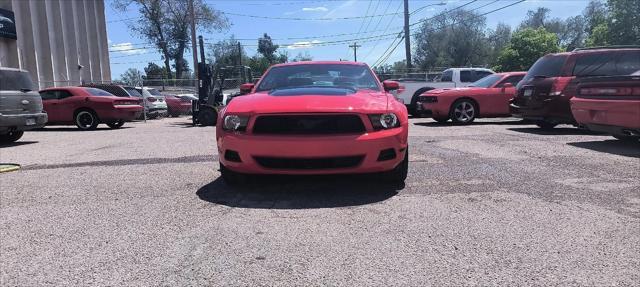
(126, 48)
(346, 9)
(315, 9)
(303, 45)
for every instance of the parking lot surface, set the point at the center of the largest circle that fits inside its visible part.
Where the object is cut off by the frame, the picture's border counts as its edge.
(498, 202)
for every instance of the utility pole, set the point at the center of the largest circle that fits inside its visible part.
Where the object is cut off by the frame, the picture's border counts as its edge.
(355, 47)
(193, 39)
(407, 37)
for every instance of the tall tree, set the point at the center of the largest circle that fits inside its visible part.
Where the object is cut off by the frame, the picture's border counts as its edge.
(165, 23)
(594, 14)
(624, 22)
(226, 53)
(498, 39)
(267, 48)
(456, 39)
(131, 77)
(525, 47)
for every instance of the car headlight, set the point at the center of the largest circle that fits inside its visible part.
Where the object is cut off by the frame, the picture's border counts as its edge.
(235, 123)
(384, 121)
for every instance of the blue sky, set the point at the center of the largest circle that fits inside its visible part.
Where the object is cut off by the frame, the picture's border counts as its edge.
(288, 33)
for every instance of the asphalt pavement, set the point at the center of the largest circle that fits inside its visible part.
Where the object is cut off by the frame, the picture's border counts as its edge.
(498, 202)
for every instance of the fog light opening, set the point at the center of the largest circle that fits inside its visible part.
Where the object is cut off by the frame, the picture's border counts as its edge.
(232, 155)
(387, 154)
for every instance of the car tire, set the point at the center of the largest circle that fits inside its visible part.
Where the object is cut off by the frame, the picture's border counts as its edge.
(175, 115)
(231, 177)
(414, 99)
(86, 120)
(10, 137)
(627, 138)
(545, 125)
(207, 117)
(399, 174)
(441, 120)
(463, 111)
(116, 124)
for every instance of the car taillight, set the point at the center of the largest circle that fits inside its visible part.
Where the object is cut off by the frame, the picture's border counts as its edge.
(151, 99)
(610, 91)
(559, 84)
(122, 103)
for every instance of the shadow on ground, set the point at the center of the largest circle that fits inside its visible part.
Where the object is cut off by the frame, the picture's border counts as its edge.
(299, 192)
(496, 123)
(617, 147)
(75, 129)
(556, 131)
(18, 143)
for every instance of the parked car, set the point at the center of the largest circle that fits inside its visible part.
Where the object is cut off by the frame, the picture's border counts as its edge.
(411, 89)
(544, 93)
(20, 106)
(485, 98)
(291, 124)
(87, 107)
(155, 104)
(177, 106)
(610, 105)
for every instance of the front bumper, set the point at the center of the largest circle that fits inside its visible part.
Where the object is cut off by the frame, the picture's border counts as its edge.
(368, 145)
(23, 122)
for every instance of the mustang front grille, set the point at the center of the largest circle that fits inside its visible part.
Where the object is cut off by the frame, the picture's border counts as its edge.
(308, 124)
(309, 163)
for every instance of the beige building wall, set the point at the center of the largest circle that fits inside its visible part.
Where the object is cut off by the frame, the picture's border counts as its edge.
(60, 42)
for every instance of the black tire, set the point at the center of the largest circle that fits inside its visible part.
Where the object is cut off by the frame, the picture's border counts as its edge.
(86, 119)
(231, 177)
(463, 111)
(10, 137)
(545, 125)
(207, 117)
(174, 115)
(627, 138)
(441, 120)
(116, 125)
(414, 100)
(399, 174)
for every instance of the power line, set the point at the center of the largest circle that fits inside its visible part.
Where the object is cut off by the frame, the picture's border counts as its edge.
(307, 19)
(385, 30)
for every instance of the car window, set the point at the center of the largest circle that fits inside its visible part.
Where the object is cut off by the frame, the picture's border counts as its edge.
(154, 92)
(98, 92)
(356, 77)
(514, 80)
(480, 74)
(607, 64)
(15, 81)
(48, 95)
(133, 92)
(486, 82)
(447, 76)
(63, 94)
(465, 76)
(547, 66)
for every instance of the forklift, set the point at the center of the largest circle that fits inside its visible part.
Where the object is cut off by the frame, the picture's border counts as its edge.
(211, 82)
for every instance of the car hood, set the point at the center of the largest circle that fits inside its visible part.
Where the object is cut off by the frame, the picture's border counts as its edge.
(310, 101)
(454, 91)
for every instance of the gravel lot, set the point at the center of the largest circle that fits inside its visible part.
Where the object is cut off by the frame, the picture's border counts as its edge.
(495, 203)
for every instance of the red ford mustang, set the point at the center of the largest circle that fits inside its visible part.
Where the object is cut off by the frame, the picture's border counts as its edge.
(485, 98)
(88, 107)
(315, 118)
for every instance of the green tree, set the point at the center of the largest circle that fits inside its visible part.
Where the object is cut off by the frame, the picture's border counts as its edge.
(525, 47)
(595, 14)
(267, 48)
(303, 57)
(599, 36)
(498, 39)
(623, 22)
(131, 77)
(227, 53)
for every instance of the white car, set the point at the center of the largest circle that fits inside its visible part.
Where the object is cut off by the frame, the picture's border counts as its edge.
(154, 102)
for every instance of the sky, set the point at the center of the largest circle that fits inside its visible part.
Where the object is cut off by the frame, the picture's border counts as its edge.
(318, 27)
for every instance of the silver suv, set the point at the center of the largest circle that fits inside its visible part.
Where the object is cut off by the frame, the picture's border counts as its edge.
(20, 105)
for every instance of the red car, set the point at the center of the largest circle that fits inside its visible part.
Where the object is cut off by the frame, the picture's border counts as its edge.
(610, 105)
(315, 118)
(177, 106)
(485, 98)
(87, 107)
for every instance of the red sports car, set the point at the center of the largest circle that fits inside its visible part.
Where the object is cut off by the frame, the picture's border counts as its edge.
(177, 106)
(485, 98)
(87, 107)
(315, 118)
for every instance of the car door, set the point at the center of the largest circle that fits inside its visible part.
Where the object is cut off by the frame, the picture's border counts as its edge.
(50, 105)
(66, 105)
(503, 94)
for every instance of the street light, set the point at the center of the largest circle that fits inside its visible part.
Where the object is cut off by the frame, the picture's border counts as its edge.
(435, 4)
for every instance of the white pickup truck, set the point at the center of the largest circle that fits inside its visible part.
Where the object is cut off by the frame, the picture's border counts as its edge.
(450, 78)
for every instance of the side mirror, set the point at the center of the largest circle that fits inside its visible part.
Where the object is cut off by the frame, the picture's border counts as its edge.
(390, 85)
(506, 86)
(246, 88)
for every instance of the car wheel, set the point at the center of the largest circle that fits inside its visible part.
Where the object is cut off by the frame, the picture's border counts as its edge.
(86, 120)
(116, 125)
(441, 120)
(175, 115)
(627, 138)
(463, 111)
(545, 125)
(231, 177)
(10, 137)
(414, 99)
(399, 174)
(208, 117)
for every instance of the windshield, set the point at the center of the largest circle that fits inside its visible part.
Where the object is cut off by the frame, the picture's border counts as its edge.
(547, 66)
(355, 77)
(133, 92)
(486, 82)
(15, 81)
(98, 92)
(154, 92)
